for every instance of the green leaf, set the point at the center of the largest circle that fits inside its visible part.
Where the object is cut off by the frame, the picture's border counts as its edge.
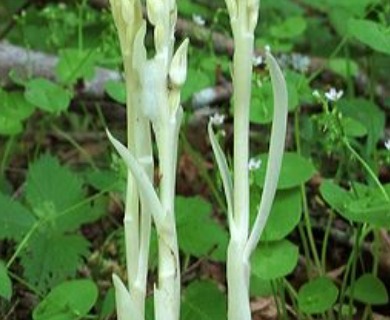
(15, 219)
(344, 67)
(335, 196)
(285, 215)
(108, 304)
(260, 287)
(74, 64)
(289, 28)
(273, 260)
(353, 128)
(370, 33)
(371, 207)
(51, 258)
(202, 300)
(5, 282)
(70, 300)
(116, 90)
(10, 126)
(369, 115)
(196, 81)
(317, 296)
(13, 105)
(295, 171)
(369, 289)
(199, 235)
(47, 95)
(56, 194)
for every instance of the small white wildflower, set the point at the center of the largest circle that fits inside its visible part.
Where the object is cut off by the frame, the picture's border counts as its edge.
(257, 60)
(333, 94)
(198, 19)
(387, 144)
(267, 48)
(254, 164)
(217, 119)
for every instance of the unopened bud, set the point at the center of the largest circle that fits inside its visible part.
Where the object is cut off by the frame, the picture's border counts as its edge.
(178, 68)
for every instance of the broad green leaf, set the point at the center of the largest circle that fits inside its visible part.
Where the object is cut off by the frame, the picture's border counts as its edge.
(47, 95)
(108, 304)
(10, 126)
(370, 33)
(199, 235)
(353, 128)
(70, 300)
(56, 194)
(369, 115)
(285, 215)
(196, 80)
(295, 171)
(5, 282)
(369, 289)
(103, 179)
(262, 109)
(373, 208)
(116, 90)
(202, 300)
(273, 260)
(290, 28)
(344, 67)
(260, 287)
(51, 258)
(15, 219)
(14, 105)
(335, 196)
(74, 64)
(317, 296)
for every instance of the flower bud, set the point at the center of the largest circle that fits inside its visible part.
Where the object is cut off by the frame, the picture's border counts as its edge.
(178, 68)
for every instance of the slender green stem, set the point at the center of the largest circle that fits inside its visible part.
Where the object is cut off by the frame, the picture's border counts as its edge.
(76, 145)
(325, 240)
(6, 154)
(306, 214)
(23, 243)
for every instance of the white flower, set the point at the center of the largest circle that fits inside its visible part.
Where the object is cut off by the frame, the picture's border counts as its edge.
(333, 94)
(254, 164)
(387, 144)
(257, 60)
(267, 48)
(198, 19)
(217, 119)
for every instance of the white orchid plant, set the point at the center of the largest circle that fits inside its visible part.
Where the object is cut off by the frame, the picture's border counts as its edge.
(243, 241)
(153, 104)
(153, 101)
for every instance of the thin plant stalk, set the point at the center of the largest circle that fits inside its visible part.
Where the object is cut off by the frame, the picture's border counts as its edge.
(137, 219)
(243, 18)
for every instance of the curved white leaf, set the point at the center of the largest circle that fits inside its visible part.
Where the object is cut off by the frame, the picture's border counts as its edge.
(225, 174)
(145, 186)
(276, 149)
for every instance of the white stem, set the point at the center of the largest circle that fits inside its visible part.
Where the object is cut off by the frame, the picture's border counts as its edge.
(238, 270)
(167, 292)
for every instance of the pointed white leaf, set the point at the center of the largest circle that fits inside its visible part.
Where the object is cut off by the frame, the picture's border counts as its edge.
(125, 307)
(276, 149)
(225, 174)
(145, 186)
